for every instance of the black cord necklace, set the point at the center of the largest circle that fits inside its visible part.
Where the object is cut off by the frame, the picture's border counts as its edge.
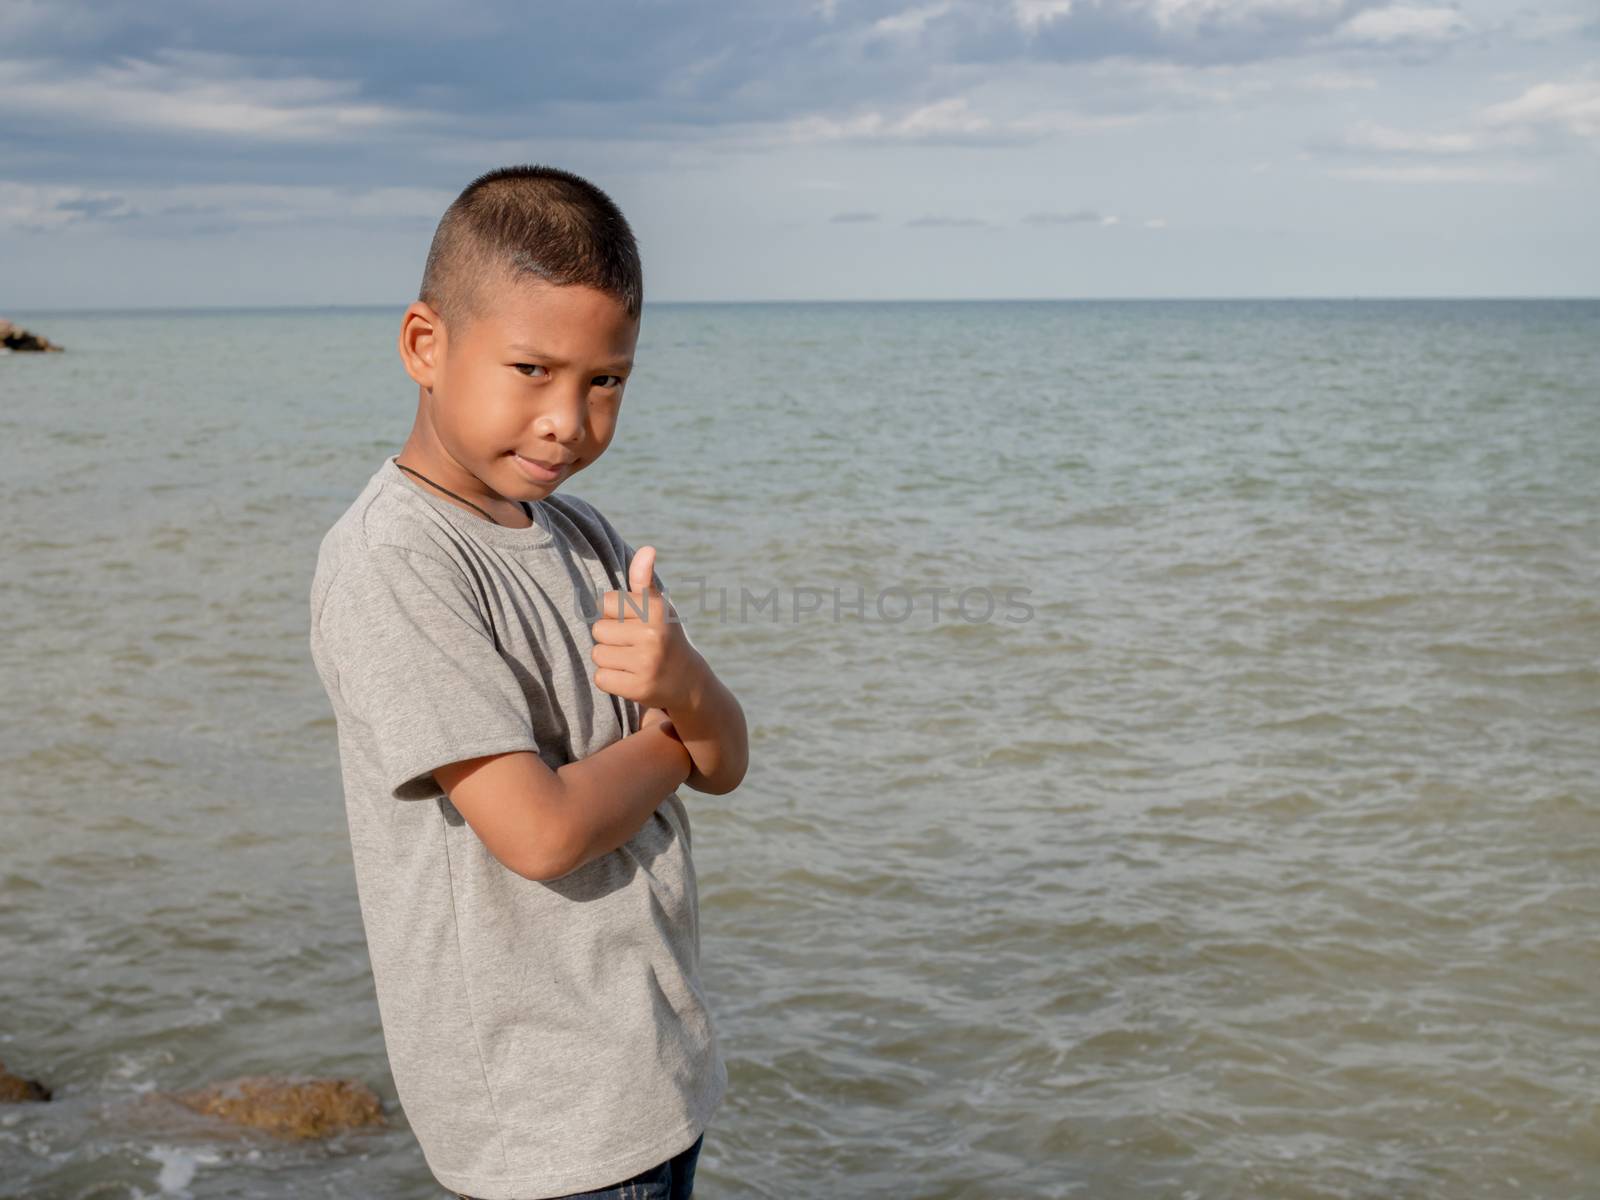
(463, 499)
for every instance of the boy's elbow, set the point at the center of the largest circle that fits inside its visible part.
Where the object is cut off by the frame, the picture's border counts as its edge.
(549, 859)
(519, 809)
(721, 783)
(544, 870)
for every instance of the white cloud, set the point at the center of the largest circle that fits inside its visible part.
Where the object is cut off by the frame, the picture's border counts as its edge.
(944, 119)
(1403, 23)
(194, 92)
(1075, 122)
(26, 206)
(1534, 26)
(1221, 83)
(1335, 81)
(1438, 173)
(1082, 216)
(1574, 106)
(1513, 125)
(1169, 13)
(1031, 14)
(1381, 139)
(911, 21)
(1184, 16)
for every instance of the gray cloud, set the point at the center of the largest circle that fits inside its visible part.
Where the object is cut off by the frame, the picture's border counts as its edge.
(1541, 121)
(97, 93)
(852, 218)
(1082, 216)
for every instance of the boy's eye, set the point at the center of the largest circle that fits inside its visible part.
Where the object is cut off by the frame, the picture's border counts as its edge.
(526, 367)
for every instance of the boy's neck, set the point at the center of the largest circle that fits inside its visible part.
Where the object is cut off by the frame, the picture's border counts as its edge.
(440, 476)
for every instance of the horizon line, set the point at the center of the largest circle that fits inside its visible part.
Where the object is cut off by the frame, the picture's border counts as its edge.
(1345, 298)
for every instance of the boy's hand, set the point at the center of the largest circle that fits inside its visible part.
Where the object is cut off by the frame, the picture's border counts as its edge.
(645, 658)
(658, 716)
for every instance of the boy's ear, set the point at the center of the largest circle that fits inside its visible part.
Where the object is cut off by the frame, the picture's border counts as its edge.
(421, 341)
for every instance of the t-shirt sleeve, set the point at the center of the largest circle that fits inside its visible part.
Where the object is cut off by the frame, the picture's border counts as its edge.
(417, 663)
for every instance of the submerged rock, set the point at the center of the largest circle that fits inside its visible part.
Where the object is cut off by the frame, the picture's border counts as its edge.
(15, 1090)
(296, 1108)
(12, 338)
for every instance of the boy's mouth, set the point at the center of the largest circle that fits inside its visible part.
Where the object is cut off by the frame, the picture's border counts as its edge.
(537, 471)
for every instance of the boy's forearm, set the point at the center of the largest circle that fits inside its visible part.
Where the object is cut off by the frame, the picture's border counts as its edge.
(712, 727)
(608, 796)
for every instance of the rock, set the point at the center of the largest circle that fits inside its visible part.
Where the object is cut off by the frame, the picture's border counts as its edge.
(13, 338)
(16, 1090)
(294, 1108)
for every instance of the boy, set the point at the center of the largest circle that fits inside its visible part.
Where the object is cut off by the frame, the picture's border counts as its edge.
(511, 757)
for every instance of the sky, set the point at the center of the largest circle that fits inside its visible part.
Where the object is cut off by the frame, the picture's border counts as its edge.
(191, 153)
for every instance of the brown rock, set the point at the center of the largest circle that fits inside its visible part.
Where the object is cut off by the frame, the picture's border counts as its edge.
(13, 338)
(295, 1108)
(16, 1090)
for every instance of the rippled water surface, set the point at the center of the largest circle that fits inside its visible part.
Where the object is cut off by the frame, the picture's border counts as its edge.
(1261, 860)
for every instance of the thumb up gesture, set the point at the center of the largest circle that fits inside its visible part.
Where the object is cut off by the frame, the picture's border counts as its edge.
(639, 653)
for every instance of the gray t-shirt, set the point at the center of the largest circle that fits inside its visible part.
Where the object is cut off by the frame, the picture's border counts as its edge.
(544, 1037)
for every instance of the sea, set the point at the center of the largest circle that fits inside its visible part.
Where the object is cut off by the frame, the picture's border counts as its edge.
(1174, 742)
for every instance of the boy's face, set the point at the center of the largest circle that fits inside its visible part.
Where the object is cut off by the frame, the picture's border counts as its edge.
(536, 378)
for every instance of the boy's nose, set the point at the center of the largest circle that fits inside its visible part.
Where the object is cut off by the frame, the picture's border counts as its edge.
(563, 418)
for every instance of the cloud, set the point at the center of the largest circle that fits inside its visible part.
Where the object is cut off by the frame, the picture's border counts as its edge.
(1334, 81)
(193, 92)
(1533, 26)
(1031, 14)
(910, 22)
(189, 209)
(1403, 23)
(1574, 107)
(1179, 31)
(950, 222)
(1190, 14)
(1082, 216)
(1438, 173)
(116, 110)
(1369, 137)
(1182, 17)
(1046, 123)
(718, 74)
(944, 121)
(1047, 100)
(1163, 85)
(1529, 124)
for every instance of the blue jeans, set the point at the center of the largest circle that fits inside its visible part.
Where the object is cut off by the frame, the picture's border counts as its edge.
(670, 1180)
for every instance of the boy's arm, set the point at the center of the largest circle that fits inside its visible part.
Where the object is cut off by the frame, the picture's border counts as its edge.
(642, 653)
(397, 630)
(712, 726)
(544, 824)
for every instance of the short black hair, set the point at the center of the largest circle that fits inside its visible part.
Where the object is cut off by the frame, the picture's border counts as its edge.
(529, 221)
